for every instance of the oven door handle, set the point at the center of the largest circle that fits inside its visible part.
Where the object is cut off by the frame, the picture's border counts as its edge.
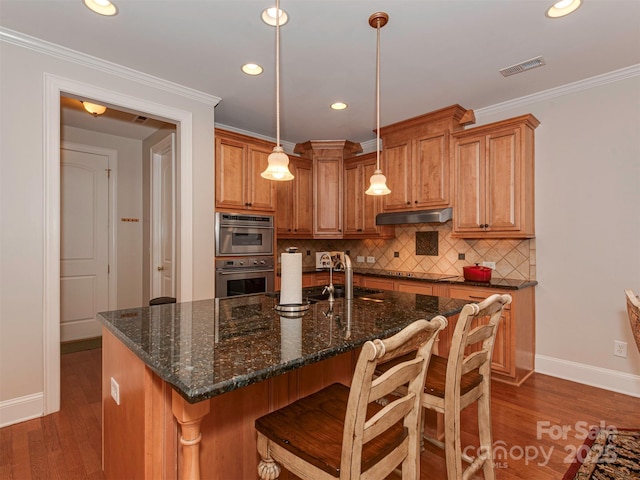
(235, 272)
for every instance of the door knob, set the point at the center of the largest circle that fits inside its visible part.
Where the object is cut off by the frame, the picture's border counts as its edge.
(160, 269)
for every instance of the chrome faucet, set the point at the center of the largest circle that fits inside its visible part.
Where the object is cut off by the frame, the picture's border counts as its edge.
(348, 276)
(329, 288)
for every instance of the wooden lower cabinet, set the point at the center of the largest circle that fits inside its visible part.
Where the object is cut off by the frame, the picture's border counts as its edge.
(514, 349)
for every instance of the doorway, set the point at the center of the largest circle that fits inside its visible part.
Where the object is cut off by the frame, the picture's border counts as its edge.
(55, 87)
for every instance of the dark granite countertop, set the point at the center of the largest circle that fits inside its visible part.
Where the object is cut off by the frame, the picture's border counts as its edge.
(209, 347)
(505, 283)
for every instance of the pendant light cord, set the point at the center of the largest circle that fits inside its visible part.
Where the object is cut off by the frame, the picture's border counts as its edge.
(278, 73)
(378, 98)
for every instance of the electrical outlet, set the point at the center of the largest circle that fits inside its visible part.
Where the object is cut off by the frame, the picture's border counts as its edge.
(360, 259)
(461, 256)
(371, 259)
(620, 349)
(396, 254)
(308, 253)
(115, 391)
(489, 264)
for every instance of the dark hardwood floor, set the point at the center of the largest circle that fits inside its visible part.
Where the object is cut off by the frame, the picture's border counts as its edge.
(537, 427)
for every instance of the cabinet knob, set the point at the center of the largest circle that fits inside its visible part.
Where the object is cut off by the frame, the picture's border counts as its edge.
(160, 269)
(408, 203)
(415, 201)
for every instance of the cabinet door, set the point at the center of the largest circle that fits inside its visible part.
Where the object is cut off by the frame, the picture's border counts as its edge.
(303, 198)
(230, 173)
(470, 185)
(294, 212)
(396, 166)
(353, 197)
(430, 164)
(380, 283)
(502, 182)
(261, 193)
(327, 197)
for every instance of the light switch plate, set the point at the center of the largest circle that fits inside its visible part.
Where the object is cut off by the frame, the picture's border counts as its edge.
(360, 259)
(115, 391)
(371, 259)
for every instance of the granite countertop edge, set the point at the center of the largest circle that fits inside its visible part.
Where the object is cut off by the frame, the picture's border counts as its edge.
(498, 283)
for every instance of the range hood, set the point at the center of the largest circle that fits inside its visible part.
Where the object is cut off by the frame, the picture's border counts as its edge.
(420, 216)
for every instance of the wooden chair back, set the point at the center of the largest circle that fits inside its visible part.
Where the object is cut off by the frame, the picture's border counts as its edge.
(472, 342)
(366, 389)
(633, 309)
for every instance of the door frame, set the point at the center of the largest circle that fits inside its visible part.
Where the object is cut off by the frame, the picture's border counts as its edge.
(156, 151)
(54, 87)
(112, 249)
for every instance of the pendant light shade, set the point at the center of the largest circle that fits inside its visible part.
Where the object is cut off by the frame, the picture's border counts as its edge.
(278, 168)
(378, 180)
(378, 184)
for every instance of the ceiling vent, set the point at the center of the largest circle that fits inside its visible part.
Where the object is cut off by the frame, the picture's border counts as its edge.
(139, 119)
(523, 66)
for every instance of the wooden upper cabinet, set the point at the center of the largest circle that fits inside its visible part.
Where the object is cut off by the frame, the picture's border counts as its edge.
(239, 162)
(294, 206)
(416, 160)
(328, 157)
(360, 210)
(494, 180)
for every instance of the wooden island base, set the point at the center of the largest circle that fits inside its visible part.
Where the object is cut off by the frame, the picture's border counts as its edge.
(155, 434)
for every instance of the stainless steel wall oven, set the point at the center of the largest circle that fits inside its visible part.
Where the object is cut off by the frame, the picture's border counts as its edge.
(239, 234)
(241, 276)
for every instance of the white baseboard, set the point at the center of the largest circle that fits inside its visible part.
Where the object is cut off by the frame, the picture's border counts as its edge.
(21, 409)
(589, 375)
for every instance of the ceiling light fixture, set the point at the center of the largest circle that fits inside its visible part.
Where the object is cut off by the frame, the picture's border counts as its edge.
(94, 109)
(562, 8)
(252, 69)
(378, 180)
(339, 106)
(269, 16)
(278, 168)
(103, 7)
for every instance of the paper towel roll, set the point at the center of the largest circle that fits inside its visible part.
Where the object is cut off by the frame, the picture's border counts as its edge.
(291, 278)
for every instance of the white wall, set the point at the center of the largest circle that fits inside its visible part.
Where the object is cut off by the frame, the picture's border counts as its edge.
(23, 212)
(129, 205)
(587, 229)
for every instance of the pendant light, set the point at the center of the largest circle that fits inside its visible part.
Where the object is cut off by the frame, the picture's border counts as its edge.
(378, 180)
(278, 168)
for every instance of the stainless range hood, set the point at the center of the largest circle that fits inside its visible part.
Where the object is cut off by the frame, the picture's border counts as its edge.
(421, 216)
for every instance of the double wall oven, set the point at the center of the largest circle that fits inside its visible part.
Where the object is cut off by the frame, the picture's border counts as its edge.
(244, 254)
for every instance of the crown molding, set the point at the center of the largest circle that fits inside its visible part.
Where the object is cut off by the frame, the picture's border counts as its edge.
(592, 82)
(288, 146)
(64, 53)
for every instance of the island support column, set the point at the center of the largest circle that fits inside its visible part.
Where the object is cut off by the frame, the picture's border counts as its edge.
(189, 416)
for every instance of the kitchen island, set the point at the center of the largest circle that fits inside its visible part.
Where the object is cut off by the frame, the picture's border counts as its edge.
(183, 383)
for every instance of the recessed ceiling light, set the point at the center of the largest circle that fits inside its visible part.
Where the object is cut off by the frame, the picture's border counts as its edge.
(103, 7)
(339, 106)
(252, 69)
(269, 16)
(562, 8)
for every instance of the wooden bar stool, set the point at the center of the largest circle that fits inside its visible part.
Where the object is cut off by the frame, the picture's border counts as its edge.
(341, 432)
(454, 383)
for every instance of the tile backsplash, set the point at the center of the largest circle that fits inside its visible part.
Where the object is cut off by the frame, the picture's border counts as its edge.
(514, 258)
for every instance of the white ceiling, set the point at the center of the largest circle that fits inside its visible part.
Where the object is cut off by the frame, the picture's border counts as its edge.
(434, 53)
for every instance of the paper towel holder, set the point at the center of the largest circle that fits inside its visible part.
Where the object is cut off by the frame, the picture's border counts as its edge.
(292, 310)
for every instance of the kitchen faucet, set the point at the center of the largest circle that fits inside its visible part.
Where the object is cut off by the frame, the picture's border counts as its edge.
(329, 288)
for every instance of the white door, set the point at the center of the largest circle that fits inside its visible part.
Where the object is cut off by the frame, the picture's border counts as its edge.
(163, 218)
(84, 245)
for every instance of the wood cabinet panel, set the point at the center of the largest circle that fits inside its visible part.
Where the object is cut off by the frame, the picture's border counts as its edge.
(238, 164)
(327, 196)
(294, 203)
(514, 348)
(494, 180)
(360, 209)
(413, 287)
(416, 160)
